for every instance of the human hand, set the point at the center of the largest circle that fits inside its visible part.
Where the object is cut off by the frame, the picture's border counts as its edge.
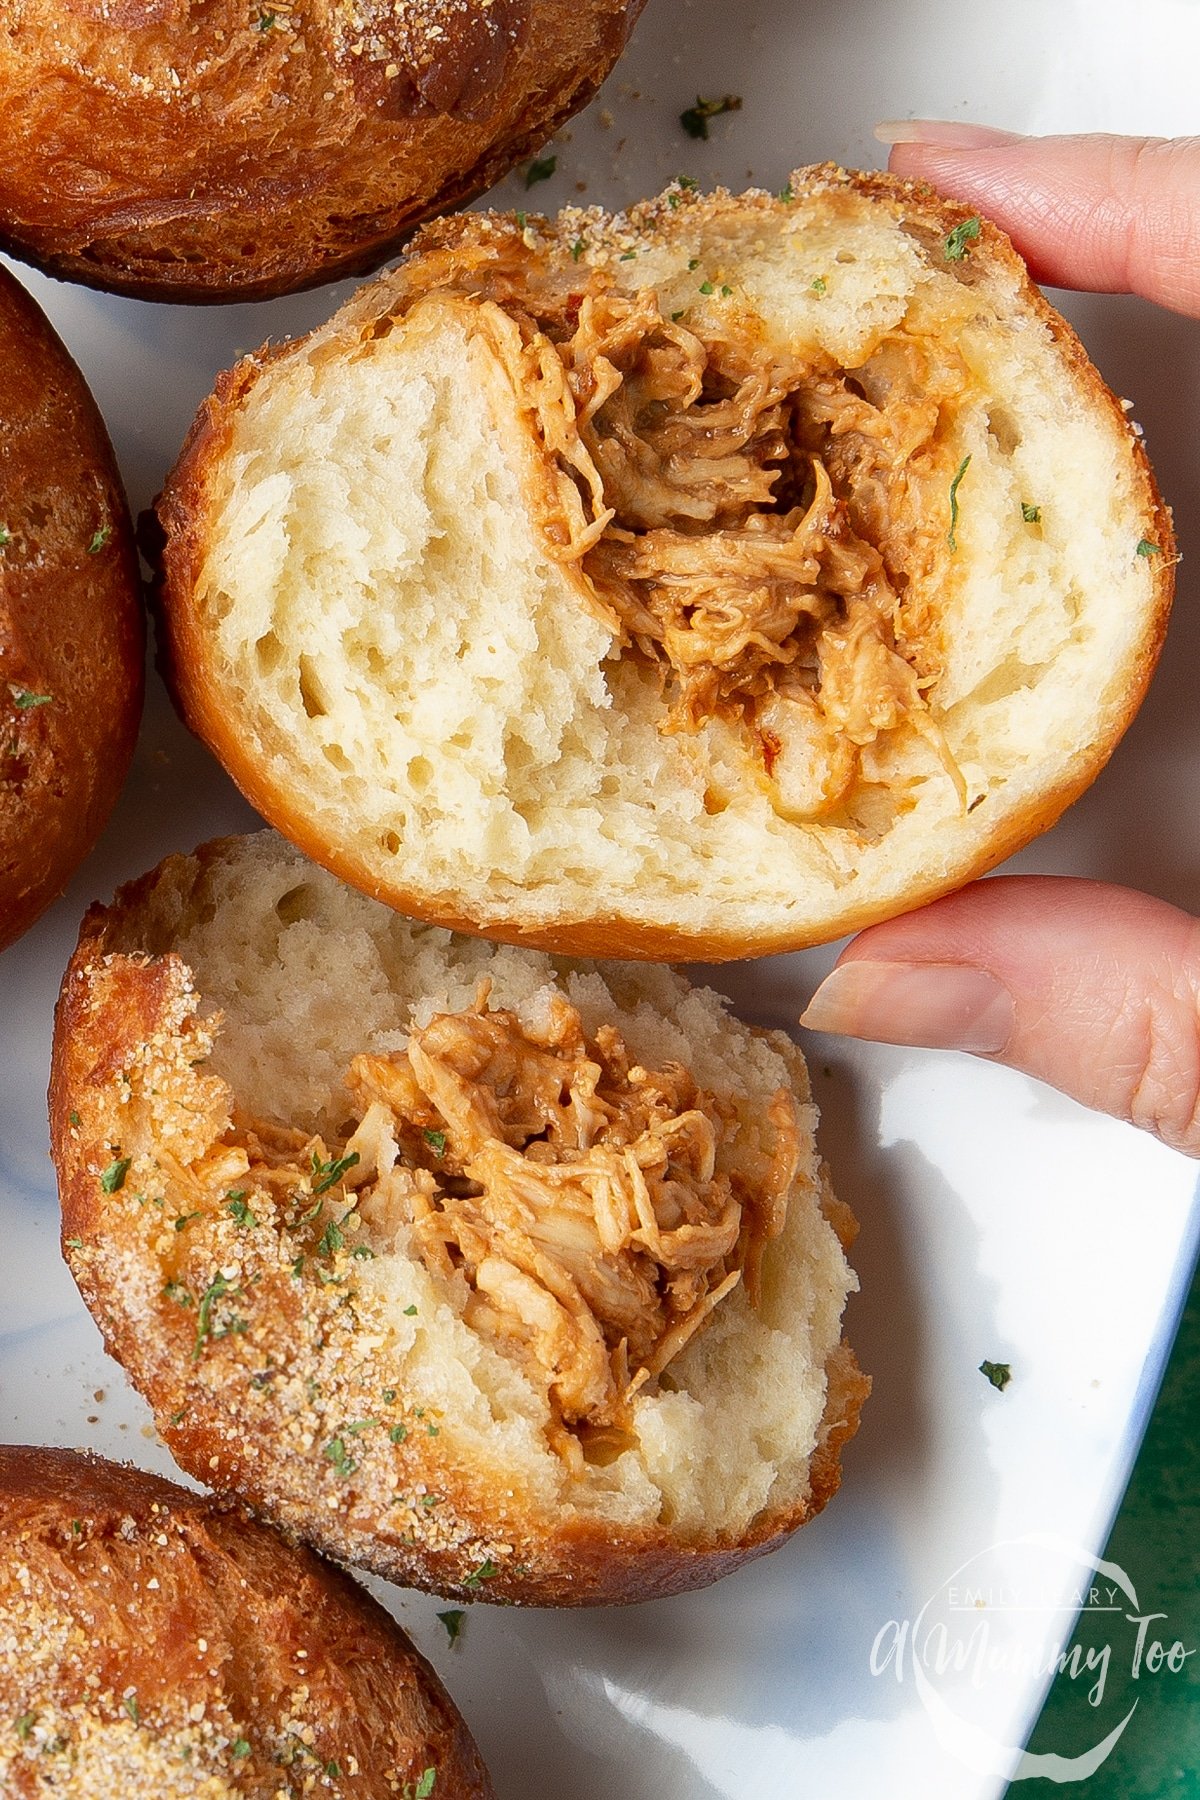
(1094, 989)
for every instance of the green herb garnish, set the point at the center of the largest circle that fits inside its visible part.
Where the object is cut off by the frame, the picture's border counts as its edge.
(335, 1452)
(264, 21)
(1146, 548)
(24, 699)
(235, 1203)
(112, 1179)
(963, 466)
(453, 1621)
(540, 169)
(818, 286)
(180, 1293)
(363, 1253)
(216, 1290)
(785, 194)
(955, 247)
(423, 1788)
(688, 183)
(706, 287)
(74, 1243)
(358, 1426)
(99, 539)
(74, 1119)
(131, 1707)
(695, 119)
(577, 250)
(328, 1174)
(410, 1312)
(25, 1724)
(5, 537)
(398, 1433)
(436, 1141)
(185, 1219)
(241, 1747)
(1032, 515)
(483, 1573)
(332, 1239)
(999, 1374)
(332, 1769)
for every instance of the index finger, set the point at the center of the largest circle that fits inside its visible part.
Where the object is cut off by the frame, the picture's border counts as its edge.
(1107, 214)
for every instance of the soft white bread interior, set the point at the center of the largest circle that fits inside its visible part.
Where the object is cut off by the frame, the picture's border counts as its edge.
(450, 1256)
(701, 581)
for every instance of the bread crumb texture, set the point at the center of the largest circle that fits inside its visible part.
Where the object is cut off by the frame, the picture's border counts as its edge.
(154, 1643)
(544, 1303)
(732, 570)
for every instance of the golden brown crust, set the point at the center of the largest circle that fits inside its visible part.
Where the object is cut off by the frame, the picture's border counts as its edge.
(70, 619)
(671, 217)
(245, 150)
(264, 1406)
(154, 1641)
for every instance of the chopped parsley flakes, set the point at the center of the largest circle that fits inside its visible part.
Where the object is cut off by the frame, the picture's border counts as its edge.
(695, 119)
(436, 1141)
(240, 1748)
(963, 466)
(484, 1572)
(999, 1374)
(23, 698)
(1146, 548)
(955, 247)
(264, 22)
(112, 1179)
(453, 1622)
(328, 1174)
(99, 539)
(423, 1787)
(332, 1239)
(335, 1452)
(216, 1290)
(5, 537)
(818, 285)
(235, 1202)
(1032, 515)
(540, 169)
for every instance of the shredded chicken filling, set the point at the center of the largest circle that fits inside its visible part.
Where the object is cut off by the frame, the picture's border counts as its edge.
(748, 524)
(598, 1210)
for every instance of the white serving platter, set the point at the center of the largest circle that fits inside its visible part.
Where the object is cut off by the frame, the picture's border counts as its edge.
(998, 1220)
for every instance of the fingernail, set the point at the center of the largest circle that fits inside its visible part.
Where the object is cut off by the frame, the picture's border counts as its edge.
(936, 1006)
(950, 134)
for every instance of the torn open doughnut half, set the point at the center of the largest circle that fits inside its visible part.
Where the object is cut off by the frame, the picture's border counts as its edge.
(704, 581)
(156, 1644)
(513, 1278)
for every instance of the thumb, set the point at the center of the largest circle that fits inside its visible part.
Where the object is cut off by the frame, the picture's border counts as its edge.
(1094, 989)
(1116, 215)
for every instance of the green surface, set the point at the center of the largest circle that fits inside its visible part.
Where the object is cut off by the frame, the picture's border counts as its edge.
(1156, 1541)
